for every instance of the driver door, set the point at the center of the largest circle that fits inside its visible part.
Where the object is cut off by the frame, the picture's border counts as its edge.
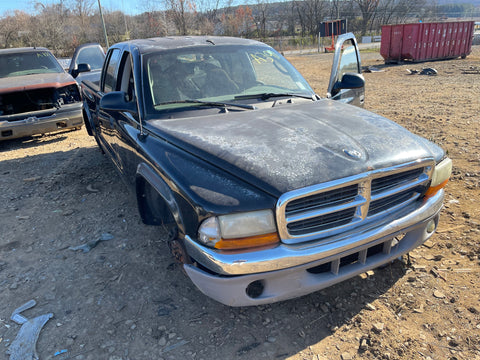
(346, 80)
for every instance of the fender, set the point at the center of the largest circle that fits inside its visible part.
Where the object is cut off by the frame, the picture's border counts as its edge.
(147, 173)
(87, 119)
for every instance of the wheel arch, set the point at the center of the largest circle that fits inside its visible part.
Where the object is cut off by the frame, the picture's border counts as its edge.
(156, 201)
(87, 119)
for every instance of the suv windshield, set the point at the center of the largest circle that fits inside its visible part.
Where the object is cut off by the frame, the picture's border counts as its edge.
(218, 73)
(28, 63)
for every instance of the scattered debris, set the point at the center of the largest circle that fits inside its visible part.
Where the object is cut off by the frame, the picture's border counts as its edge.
(419, 310)
(429, 244)
(91, 244)
(175, 346)
(471, 70)
(60, 352)
(439, 294)
(68, 212)
(378, 327)
(428, 71)
(437, 274)
(424, 71)
(166, 307)
(370, 69)
(32, 179)
(20, 319)
(247, 348)
(24, 345)
(363, 344)
(92, 189)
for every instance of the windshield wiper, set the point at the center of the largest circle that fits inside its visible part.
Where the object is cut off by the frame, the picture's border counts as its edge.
(209, 103)
(266, 96)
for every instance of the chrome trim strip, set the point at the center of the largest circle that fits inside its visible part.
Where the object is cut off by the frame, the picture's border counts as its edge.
(285, 256)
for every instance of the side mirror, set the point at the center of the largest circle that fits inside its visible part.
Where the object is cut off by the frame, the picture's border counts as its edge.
(117, 101)
(80, 68)
(83, 68)
(350, 81)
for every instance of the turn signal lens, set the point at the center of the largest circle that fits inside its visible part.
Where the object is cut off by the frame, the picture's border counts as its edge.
(247, 242)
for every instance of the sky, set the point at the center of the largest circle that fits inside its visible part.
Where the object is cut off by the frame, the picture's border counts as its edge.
(130, 7)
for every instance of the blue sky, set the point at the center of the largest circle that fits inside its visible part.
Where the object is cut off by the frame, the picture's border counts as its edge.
(128, 6)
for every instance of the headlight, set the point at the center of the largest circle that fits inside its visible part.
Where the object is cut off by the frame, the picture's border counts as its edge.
(441, 175)
(239, 231)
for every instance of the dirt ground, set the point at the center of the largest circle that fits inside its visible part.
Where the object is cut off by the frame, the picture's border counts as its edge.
(126, 299)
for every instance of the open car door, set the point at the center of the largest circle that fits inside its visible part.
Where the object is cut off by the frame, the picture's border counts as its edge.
(346, 80)
(87, 62)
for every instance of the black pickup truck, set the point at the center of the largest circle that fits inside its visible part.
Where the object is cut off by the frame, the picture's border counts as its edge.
(269, 191)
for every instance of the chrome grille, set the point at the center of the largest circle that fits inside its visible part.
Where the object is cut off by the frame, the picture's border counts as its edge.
(328, 209)
(326, 199)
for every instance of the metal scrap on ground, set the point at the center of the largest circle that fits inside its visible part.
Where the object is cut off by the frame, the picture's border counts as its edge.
(471, 70)
(24, 345)
(91, 244)
(424, 71)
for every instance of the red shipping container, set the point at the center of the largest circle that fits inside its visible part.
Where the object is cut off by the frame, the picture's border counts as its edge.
(426, 41)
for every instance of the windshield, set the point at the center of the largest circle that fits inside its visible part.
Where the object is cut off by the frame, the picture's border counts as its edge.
(28, 63)
(217, 73)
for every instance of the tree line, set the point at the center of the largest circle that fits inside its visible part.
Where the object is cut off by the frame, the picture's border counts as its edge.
(66, 24)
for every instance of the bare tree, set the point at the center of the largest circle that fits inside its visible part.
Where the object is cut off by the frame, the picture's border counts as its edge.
(315, 13)
(237, 23)
(148, 24)
(13, 29)
(49, 27)
(260, 17)
(368, 8)
(82, 11)
(182, 13)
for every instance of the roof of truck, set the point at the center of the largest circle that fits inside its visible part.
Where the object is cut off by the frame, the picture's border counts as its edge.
(176, 42)
(22, 50)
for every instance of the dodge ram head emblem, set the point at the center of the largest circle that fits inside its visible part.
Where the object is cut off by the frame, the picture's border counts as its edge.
(354, 154)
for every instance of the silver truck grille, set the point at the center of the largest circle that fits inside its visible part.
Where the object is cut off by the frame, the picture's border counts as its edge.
(331, 208)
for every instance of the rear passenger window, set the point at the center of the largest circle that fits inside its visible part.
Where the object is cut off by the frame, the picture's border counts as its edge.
(110, 80)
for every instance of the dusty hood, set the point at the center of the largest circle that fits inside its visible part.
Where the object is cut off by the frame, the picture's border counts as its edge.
(35, 81)
(293, 146)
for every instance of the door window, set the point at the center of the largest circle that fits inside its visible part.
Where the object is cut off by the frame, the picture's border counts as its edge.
(110, 80)
(348, 60)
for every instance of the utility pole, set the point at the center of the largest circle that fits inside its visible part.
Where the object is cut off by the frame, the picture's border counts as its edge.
(103, 24)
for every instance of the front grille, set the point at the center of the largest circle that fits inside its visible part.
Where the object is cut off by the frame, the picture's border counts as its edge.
(337, 206)
(321, 223)
(14, 105)
(326, 199)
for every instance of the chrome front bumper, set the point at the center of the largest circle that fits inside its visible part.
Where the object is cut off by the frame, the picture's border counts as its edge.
(289, 271)
(69, 116)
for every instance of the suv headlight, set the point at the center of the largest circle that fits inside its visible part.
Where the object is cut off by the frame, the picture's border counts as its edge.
(441, 175)
(239, 231)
